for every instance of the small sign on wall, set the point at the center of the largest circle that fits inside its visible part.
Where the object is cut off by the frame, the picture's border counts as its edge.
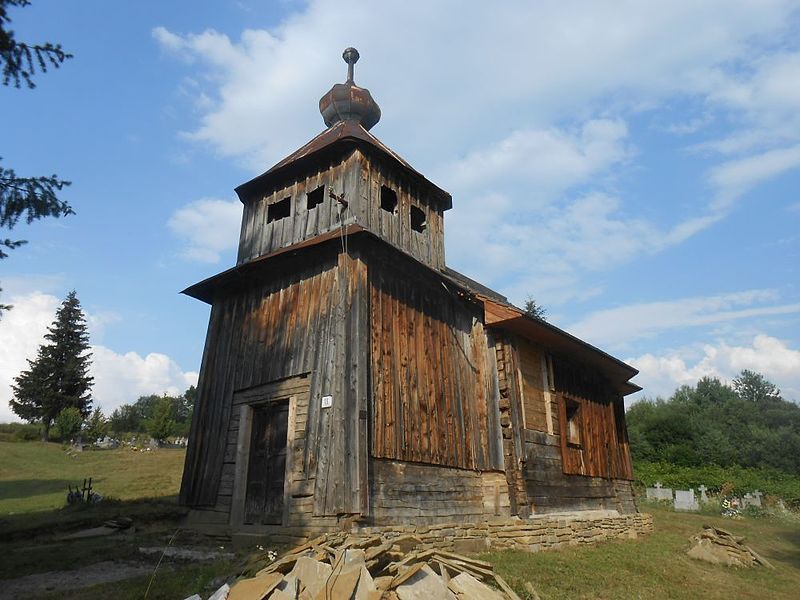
(327, 401)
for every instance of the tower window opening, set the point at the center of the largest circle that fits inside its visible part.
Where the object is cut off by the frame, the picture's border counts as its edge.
(418, 219)
(388, 199)
(315, 197)
(279, 210)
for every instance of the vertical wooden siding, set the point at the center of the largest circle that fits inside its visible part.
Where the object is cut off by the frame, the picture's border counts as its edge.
(426, 246)
(530, 369)
(299, 321)
(603, 450)
(258, 237)
(359, 178)
(434, 387)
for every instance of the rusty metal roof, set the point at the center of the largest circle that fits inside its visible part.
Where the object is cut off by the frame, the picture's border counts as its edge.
(338, 138)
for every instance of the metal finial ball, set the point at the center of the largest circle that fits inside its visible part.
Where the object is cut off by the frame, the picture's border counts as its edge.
(351, 56)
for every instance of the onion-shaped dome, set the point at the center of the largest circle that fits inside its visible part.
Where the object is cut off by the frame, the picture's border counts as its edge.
(348, 102)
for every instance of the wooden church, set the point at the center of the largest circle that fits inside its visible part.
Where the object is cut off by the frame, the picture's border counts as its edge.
(350, 377)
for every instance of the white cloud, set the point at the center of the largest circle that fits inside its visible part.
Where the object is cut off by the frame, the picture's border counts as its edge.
(660, 375)
(122, 378)
(208, 227)
(625, 324)
(119, 378)
(534, 65)
(513, 125)
(736, 177)
(550, 159)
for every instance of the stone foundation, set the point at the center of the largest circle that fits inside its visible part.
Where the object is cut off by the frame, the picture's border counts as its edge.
(532, 534)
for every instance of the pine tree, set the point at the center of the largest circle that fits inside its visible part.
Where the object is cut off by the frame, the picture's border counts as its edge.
(27, 198)
(59, 376)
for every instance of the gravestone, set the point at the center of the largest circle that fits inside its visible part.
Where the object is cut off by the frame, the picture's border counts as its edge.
(685, 500)
(703, 497)
(658, 492)
(753, 499)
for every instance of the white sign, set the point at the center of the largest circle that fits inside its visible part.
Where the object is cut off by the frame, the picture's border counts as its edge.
(327, 401)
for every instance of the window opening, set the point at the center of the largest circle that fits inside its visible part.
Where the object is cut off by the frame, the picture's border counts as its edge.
(417, 219)
(279, 210)
(315, 197)
(388, 199)
(573, 422)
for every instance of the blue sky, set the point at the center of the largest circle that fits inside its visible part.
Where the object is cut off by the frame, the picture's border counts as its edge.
(634, 168)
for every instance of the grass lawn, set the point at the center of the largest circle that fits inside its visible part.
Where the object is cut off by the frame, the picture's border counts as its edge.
(656, 565)
(34, 475)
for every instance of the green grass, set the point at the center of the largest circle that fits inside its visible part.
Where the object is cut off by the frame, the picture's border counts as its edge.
(656, 565)
(34, 475)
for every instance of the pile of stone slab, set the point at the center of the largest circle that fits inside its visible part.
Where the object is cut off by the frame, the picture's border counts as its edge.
(721, 547)
(349, 567)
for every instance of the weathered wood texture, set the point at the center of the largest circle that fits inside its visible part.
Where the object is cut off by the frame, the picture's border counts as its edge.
(511, 422)
(434, 382)
(357, 179)
(416, 493)
(533, 386)
(236, 457)
(603, 450)
(298, 318)
(552, 490)
(426, 246)
(259, 236)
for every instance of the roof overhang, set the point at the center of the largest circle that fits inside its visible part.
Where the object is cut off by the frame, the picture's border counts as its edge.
(334, 141)
(497, 313)
(511, 318)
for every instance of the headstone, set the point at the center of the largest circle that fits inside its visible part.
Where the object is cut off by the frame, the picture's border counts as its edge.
(685, 500)
(659, 493)
(753, 499)
(703, 497)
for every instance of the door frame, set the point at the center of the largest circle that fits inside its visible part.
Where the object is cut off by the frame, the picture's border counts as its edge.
(252, 399)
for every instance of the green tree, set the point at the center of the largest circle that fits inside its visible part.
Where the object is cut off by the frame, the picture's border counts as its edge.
(27, 198)
(754, 387)
(532, 309)
(748, 425)
(96, 426)
(68, 423)
(162, 425)
(59, 376)
(124, 419)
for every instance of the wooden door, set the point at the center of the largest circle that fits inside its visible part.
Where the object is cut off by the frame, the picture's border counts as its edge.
(266, 469)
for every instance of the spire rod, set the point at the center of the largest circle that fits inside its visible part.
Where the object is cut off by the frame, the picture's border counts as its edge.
(350, 56)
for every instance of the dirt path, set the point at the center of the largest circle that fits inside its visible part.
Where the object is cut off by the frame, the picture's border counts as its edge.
(42, 583)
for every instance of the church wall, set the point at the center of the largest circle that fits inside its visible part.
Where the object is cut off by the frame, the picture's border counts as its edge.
(395, 226)
(299, 319)
(262, 232)
(434, 379)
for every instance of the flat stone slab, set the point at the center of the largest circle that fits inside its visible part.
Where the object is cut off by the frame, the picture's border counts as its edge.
(425, 584)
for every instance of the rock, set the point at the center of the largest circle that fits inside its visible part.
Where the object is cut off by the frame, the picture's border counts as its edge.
(471, 545)
(721, 547)
(312, 574)
(221, 593)
(424, 585)
(466, 587)
(255, 588)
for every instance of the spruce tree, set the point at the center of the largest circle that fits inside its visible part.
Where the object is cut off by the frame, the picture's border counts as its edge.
(26, 198)
(59, 376)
